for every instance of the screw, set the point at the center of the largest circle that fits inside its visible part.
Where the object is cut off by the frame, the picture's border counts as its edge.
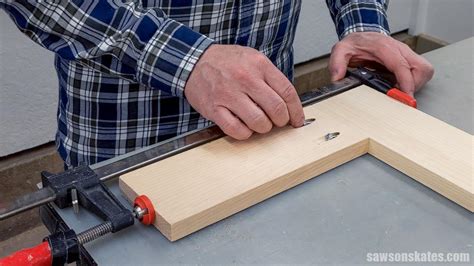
(308, 121)
(330, 136)
(74, 200)
(139, 212)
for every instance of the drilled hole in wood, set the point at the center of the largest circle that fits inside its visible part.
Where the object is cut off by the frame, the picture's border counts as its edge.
(309, 121)
(332, 135)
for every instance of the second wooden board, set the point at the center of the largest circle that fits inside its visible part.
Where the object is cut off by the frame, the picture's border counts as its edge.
(206, 184)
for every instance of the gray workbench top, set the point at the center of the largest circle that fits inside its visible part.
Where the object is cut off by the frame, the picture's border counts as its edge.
(337, 218)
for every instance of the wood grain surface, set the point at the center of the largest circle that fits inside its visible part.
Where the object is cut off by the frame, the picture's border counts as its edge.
(208, 183)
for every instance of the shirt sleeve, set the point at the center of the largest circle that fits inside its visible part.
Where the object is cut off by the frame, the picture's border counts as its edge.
(359, 16)
(120, 38)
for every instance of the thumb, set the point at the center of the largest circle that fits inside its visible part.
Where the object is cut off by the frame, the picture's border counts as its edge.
(338, 62)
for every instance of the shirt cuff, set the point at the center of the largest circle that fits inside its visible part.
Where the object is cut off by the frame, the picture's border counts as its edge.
(170, 56)
(362, 16)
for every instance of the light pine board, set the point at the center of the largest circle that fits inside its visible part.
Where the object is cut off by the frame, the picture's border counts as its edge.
(208, 183)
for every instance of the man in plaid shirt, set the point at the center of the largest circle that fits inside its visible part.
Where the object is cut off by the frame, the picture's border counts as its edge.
(132, 73)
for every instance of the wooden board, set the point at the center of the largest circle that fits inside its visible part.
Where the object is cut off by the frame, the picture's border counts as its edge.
(206, 184)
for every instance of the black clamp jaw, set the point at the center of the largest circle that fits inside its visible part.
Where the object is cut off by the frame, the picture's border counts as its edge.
(81, 186)
(372, 79)
(383, 84)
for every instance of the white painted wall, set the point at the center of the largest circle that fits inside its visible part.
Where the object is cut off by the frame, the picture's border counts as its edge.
(28, 91)
(447, 20)
(28, 83)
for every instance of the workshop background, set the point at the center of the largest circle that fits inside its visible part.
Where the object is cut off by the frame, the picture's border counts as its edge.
(28, 85)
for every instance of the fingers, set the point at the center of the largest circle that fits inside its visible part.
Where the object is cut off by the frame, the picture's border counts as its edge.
(339, 60)
(231, 125)
(404, 78)
(242, 91)
(396, 63)
(422, 71)
(411, 70)
(270, 102)
(283, 87)
(248, 112)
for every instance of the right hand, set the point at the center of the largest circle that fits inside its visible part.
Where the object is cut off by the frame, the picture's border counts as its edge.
(240, 90)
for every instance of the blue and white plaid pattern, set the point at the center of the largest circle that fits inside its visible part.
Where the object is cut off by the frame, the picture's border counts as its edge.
(123, 65)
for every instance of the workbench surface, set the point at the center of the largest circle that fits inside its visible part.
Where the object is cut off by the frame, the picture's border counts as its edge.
(362, 206)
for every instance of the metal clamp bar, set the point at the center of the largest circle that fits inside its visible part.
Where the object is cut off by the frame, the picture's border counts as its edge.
(120, 165)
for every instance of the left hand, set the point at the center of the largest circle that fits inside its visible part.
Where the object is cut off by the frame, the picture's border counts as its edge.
(411, 70)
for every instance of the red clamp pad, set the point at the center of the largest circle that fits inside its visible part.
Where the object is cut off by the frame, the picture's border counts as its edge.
(402, 97)
(144, 202)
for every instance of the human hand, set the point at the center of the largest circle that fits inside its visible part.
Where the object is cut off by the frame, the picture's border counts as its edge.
(240, 90)
(411, 70)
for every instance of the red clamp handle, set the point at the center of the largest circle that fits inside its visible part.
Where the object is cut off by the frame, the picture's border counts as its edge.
(402, 97)
(35, 256)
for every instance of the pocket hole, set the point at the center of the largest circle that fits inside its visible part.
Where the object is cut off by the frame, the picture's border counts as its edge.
(332, 135)
(308, 121)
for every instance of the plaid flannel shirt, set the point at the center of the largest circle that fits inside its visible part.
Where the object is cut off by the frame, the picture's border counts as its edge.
(123, 65)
